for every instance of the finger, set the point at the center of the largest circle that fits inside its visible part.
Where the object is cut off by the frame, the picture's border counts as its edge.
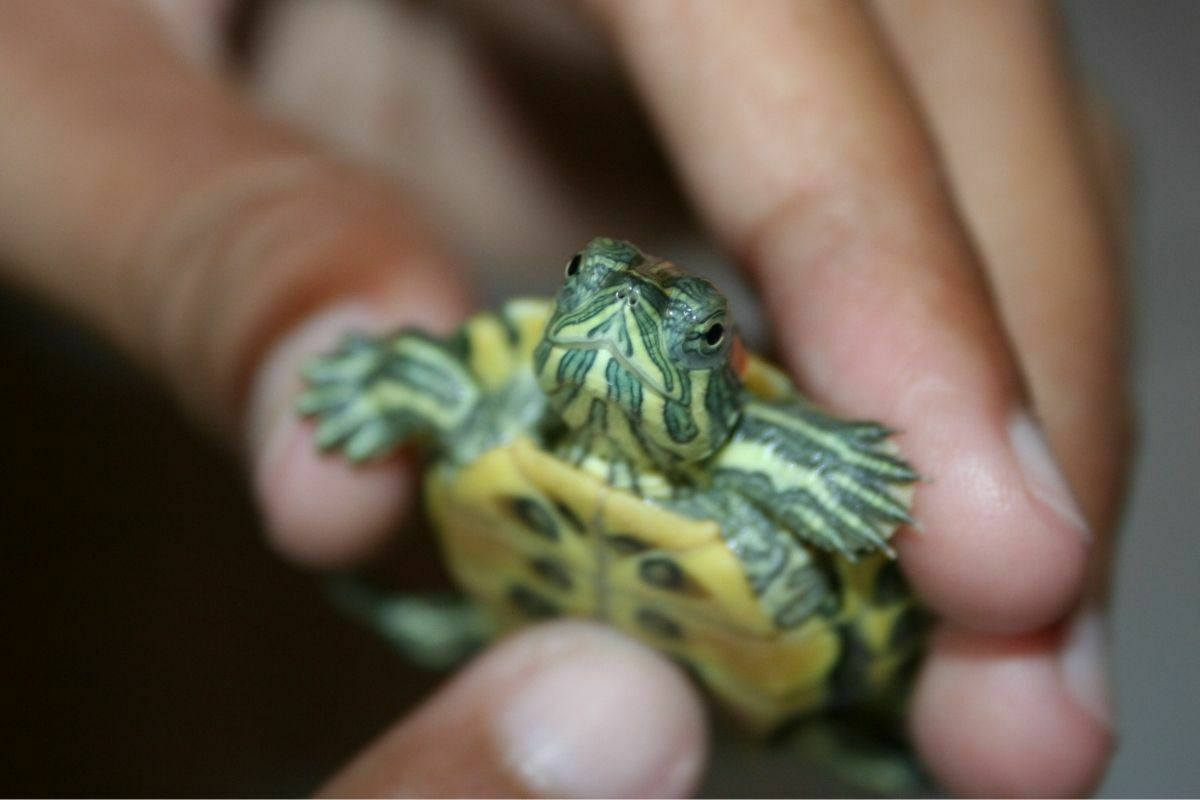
(994, 717)
(197, 29)
(147, 200)
(1036, 205)
(563, 710)
(444, 97)
(801, 148)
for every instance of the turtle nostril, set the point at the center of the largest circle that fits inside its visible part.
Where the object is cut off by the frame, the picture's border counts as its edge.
(620, 294)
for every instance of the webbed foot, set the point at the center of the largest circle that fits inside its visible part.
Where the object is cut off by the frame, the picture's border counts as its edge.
(374, 393)
(840, 485)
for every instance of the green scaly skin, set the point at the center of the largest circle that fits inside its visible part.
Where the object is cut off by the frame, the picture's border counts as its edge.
(633, 380)
(644, 397)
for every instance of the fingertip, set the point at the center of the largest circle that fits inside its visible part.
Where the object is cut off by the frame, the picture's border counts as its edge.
(318, 508)
(999, 578)
(321, 510)
(609, 718)
(567, 709)
(1004, 547)
(996, 717)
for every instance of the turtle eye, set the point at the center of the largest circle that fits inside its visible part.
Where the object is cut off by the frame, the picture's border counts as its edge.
(573, 265)
(714, 335)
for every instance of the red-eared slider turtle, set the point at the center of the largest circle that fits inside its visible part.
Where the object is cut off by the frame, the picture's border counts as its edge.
(614, 453)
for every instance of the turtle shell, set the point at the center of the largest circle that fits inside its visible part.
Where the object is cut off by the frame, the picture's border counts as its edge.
(530, 536)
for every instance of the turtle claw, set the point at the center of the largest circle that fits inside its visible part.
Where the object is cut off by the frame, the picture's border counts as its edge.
(372, 394)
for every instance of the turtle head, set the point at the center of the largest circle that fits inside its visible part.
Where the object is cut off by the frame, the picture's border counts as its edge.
(641, 336)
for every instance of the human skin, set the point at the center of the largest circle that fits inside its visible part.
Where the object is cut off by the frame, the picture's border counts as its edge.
(918, 190)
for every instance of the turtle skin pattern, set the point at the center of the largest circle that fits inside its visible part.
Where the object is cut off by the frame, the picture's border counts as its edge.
(614, 454)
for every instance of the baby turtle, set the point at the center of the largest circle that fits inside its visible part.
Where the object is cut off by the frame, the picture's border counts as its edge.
(614, 453)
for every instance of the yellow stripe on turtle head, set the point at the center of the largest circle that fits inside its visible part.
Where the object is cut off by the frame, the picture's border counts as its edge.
(642, 338)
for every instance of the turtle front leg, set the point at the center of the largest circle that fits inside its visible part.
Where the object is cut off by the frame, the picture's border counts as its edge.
(838, 484)
(375, 393)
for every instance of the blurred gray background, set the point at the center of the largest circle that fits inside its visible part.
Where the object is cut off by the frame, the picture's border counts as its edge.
(154, 645)
(1144, 57)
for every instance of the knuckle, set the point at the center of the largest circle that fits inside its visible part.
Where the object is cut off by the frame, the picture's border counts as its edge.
(240, 256)
(870, 214)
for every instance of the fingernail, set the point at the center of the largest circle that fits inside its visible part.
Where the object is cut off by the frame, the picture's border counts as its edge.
(1085, 664)
(609, 723)
(1043, 477)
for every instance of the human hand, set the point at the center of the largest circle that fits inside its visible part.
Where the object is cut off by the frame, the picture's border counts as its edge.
(929, 227)
(220, 249)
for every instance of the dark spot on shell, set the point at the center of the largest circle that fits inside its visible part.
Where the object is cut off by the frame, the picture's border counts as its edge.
(568, 514)
(553, 572)
(531, 603)
(662, 572)
(659, 624)
(626, 544)
(534, 516)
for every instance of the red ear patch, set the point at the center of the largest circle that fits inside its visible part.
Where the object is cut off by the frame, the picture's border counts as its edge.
(738, 358)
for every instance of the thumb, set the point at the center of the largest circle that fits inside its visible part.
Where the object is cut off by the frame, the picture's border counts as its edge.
(566, 709)
(213, 247)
